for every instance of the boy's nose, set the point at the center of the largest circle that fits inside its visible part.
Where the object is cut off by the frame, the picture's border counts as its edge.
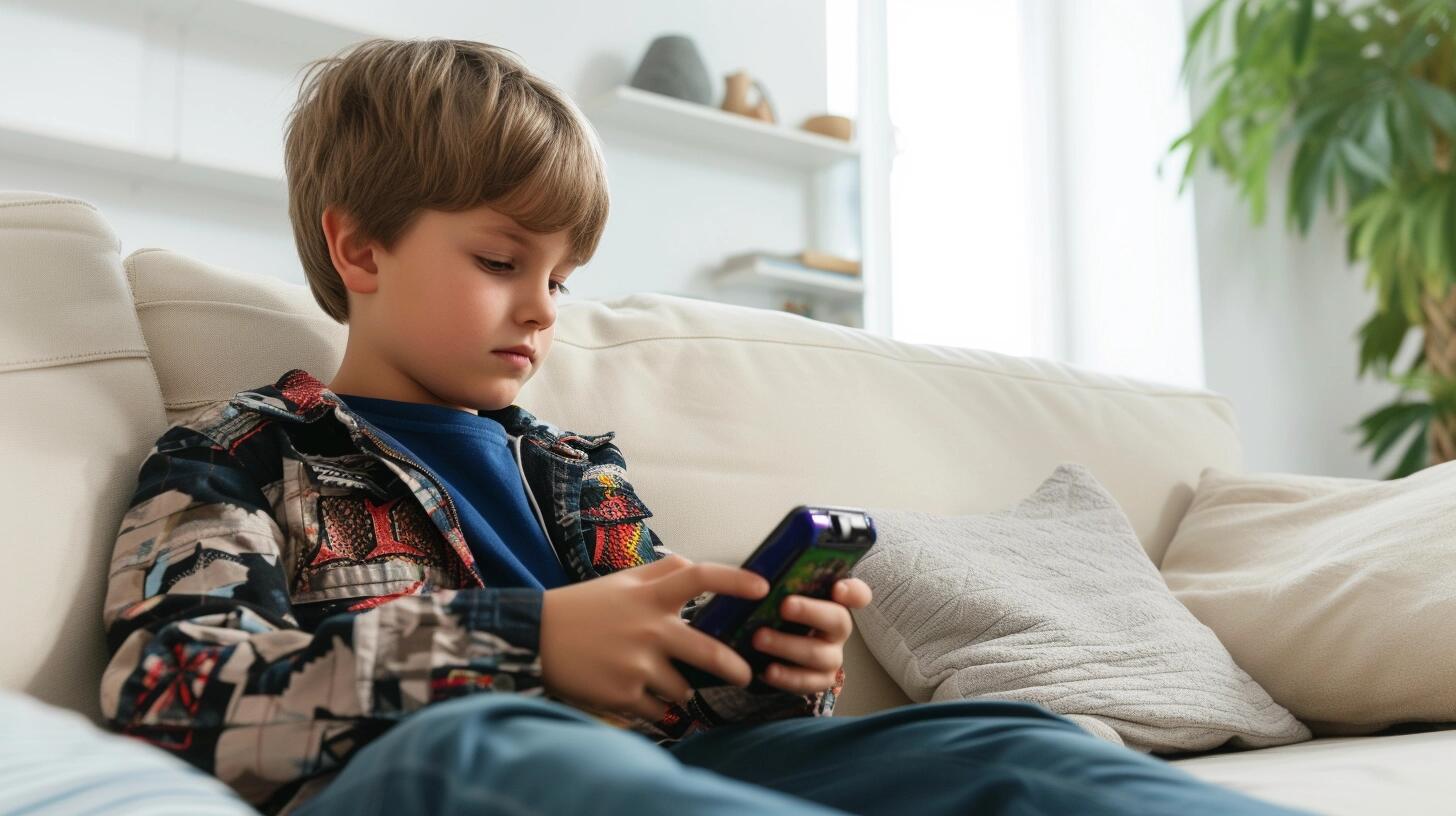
(539, 307)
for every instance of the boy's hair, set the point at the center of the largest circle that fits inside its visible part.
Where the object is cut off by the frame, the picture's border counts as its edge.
(390, 127)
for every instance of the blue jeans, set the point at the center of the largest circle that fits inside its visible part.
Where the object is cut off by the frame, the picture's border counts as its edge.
(508, 754)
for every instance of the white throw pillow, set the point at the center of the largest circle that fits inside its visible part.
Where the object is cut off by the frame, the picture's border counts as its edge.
(1054, 601)
(54, 761)
(1338, 595)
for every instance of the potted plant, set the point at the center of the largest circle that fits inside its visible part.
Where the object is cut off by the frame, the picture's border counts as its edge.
(1364, 96)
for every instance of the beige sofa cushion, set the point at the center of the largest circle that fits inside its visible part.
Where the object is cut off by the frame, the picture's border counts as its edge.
(1335, 594)
(214, 331)
(81, 408)
(981, 428)
(1343, 776)
(729, 416)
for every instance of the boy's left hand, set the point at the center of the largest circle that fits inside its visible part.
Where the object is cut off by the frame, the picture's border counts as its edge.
(820, 653)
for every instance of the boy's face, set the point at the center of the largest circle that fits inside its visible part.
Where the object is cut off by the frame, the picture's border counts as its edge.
(430, 320)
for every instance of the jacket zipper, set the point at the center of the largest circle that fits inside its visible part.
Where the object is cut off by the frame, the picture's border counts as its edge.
(516, 447)
(699, 711)
(445, 494)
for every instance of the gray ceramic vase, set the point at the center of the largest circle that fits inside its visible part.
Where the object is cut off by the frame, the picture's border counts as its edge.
(672, 66)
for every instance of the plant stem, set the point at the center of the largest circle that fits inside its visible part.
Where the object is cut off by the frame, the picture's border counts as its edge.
(1440, 341)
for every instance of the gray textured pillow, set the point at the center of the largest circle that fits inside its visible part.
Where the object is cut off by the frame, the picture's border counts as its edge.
(1054, 601)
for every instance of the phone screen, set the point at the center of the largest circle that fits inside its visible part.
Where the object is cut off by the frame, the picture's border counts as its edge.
(813, 574)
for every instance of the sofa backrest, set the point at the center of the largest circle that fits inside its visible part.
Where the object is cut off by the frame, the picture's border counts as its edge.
(729, 416)
(79, 409)
(214, 331)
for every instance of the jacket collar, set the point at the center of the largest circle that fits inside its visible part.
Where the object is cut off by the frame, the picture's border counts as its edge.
(298, 396)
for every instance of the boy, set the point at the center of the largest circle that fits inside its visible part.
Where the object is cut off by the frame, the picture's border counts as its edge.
(401, 592)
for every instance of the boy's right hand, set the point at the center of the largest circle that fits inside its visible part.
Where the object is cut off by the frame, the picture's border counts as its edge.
(607, 642)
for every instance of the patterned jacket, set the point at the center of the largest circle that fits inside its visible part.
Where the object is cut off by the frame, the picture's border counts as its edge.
(285, 587)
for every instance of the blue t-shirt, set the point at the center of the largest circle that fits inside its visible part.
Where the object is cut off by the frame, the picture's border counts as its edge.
(472, 456)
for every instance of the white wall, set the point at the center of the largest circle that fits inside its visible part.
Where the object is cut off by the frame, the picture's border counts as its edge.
(95, 65)
(1280, 316)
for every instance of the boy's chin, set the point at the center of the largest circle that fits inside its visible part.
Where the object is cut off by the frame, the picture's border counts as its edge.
(493, 399)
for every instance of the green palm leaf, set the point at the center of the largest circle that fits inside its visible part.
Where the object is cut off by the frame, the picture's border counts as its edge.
(1363, 95)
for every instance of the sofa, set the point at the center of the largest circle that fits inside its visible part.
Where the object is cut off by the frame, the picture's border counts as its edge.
(727, 415)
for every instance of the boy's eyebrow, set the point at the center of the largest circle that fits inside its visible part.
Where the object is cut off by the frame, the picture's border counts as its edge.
(509, 232)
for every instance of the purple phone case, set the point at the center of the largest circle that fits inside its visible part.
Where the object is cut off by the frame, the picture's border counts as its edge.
(812, 547)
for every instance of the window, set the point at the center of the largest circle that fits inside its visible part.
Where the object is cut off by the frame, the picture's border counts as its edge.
(1027, 214)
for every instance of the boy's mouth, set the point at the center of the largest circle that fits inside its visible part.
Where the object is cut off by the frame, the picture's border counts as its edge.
(520, 350)
(513, 358)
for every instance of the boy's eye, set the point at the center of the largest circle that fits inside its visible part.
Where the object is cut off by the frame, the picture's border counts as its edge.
(503, 266)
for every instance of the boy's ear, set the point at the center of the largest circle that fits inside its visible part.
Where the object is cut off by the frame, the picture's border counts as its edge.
(353, 256)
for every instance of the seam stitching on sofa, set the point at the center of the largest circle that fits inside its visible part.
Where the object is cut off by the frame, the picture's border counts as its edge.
(151, 303)
(1209, 396)
(76, 357)
(180, 405)
(43, 201)
(1184, 394)
(128, 268)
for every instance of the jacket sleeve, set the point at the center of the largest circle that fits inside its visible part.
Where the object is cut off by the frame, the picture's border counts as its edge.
(722, 705)
(207, 657)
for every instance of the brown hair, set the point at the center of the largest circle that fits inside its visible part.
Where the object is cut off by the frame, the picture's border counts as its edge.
(390, 127)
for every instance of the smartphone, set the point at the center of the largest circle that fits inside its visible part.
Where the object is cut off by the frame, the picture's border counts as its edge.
(811, 548)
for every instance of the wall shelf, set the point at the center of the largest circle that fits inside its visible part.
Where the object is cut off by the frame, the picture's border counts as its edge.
(712, 131)
(138, 162)
(767, 275)
(681, 122)
(274, 21)
(293, 27)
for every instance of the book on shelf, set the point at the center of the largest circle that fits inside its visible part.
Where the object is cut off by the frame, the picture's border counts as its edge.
(808, 261)
(829, 263)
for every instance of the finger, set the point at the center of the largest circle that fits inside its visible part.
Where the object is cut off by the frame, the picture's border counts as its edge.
(676, 588)
(669, 684)
(797, 680)
(649, 707)
(668, 563)
(809, 652)
(828, 617)
(853, 593)
(706, 652)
